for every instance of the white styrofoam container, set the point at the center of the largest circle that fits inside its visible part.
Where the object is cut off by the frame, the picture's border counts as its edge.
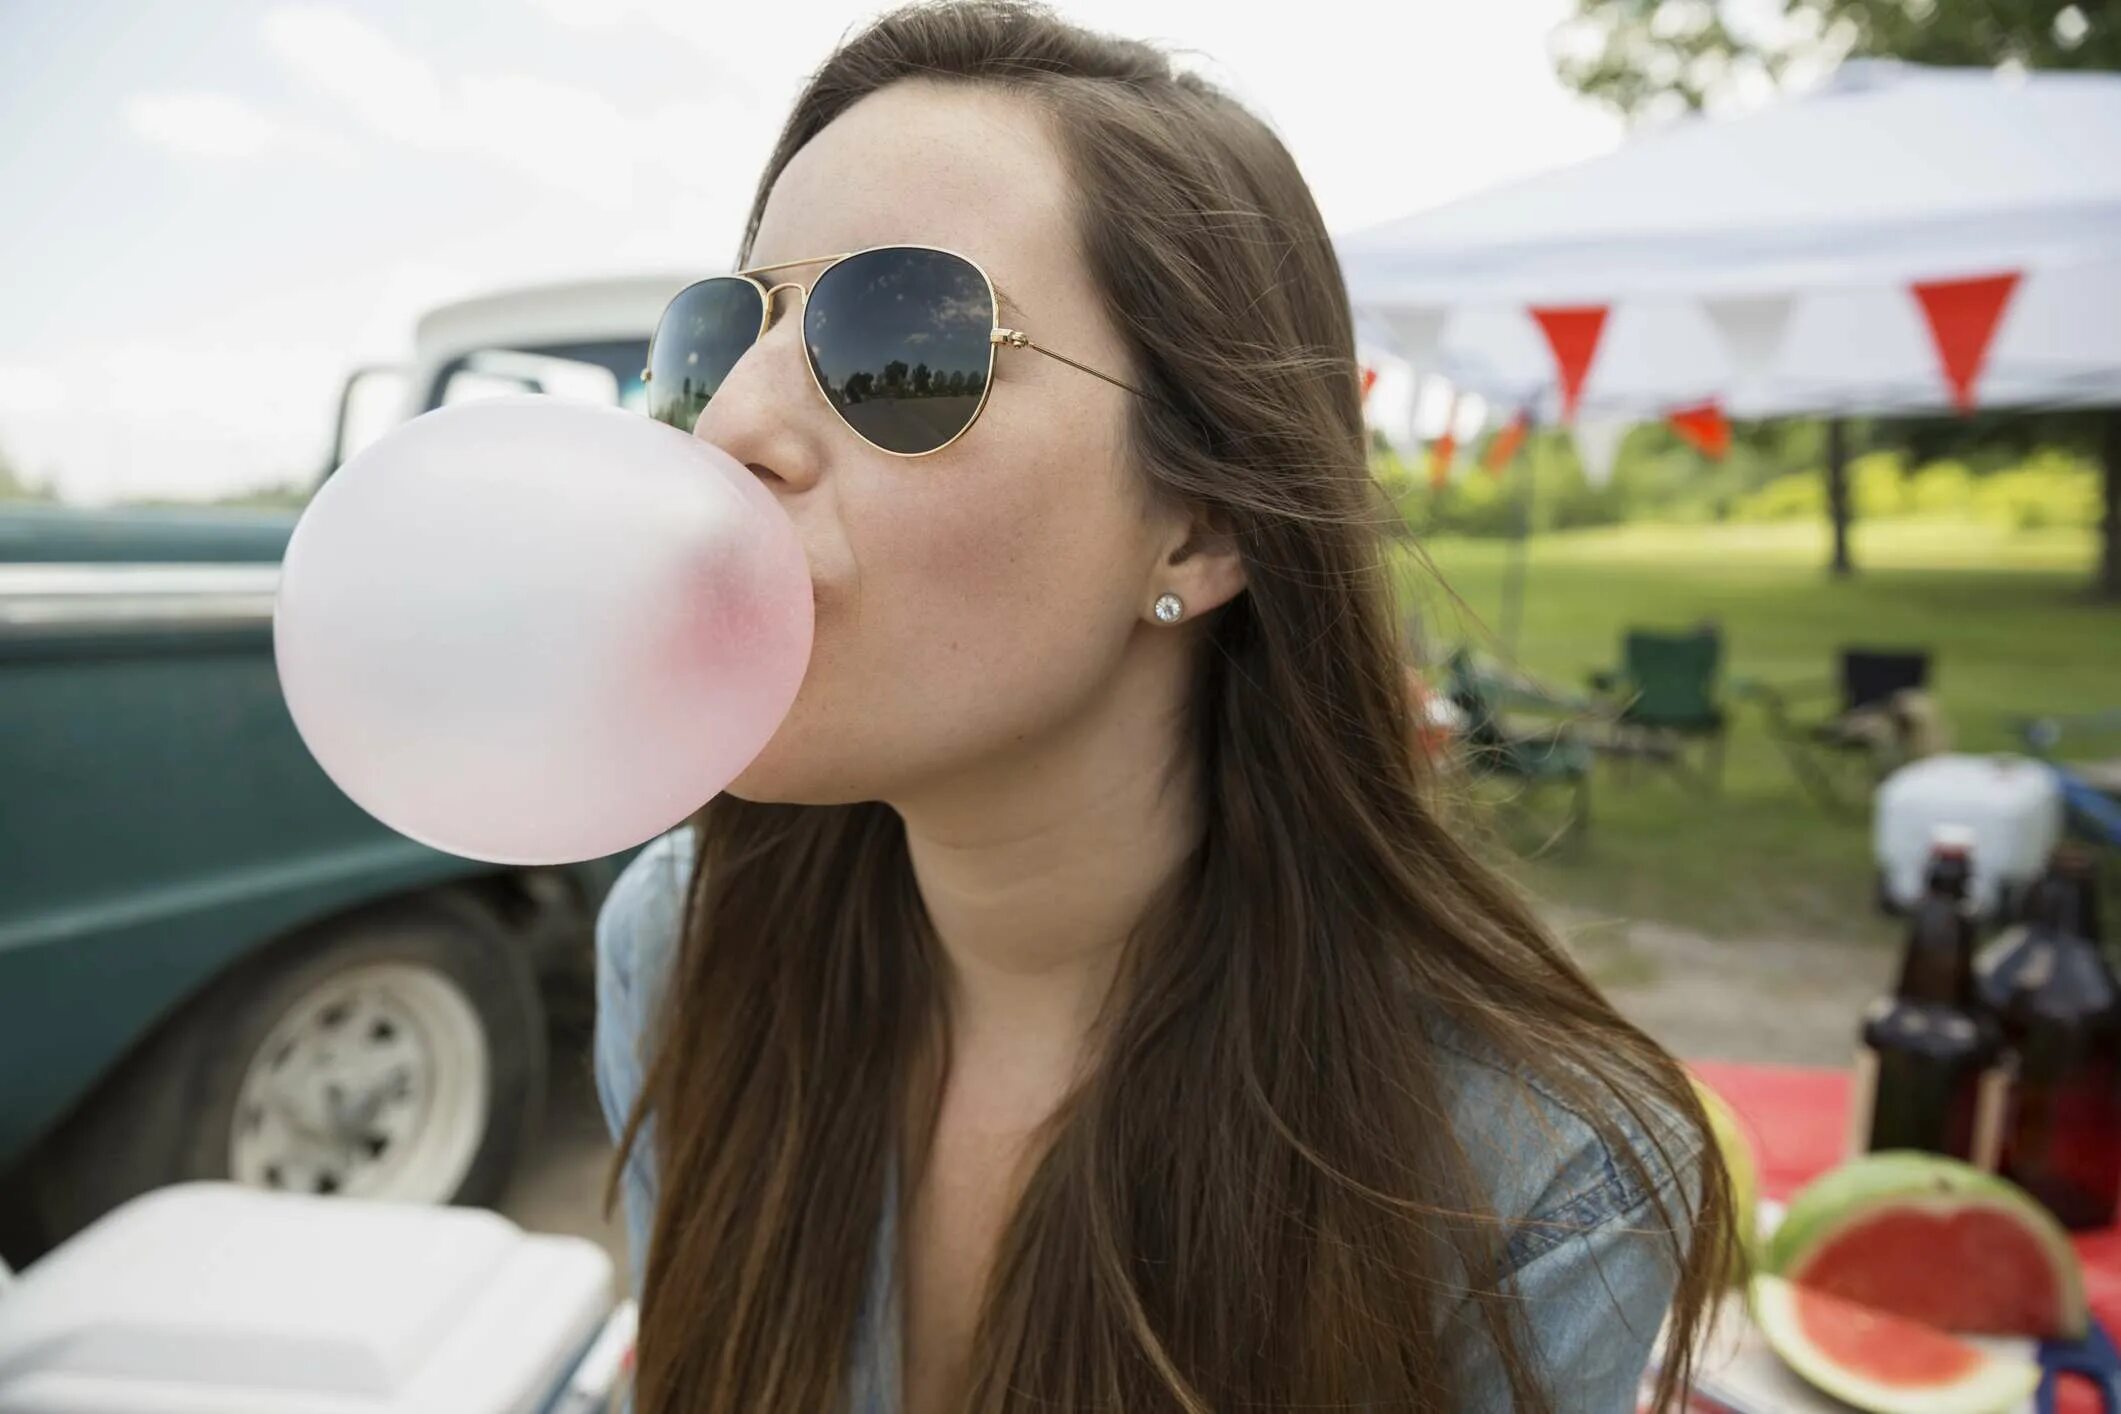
(2012, 805)
(210, 1298)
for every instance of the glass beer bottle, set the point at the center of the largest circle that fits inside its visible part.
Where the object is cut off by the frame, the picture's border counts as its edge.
(2048, 983)
(1929, 1072)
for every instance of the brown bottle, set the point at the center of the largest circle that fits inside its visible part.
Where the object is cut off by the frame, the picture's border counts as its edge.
(1929, 1071)
(2060, 1007)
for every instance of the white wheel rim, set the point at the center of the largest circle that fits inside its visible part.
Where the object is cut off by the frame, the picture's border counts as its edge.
(374, 1084)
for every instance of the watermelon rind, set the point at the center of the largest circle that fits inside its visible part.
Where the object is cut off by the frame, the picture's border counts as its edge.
(1744, 1168)
(1999, 1383)
(1894, 1177)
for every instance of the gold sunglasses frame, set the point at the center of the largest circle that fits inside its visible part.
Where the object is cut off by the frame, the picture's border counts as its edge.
(998, 337)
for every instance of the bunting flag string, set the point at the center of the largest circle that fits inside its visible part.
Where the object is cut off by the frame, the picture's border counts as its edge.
(1572, 334)
(1751, 328)
(1442, 452)
(1419, 334)
(1598, 442)
(1705, 428)
(1962, 317)
(1502, 447)
(1444, 449)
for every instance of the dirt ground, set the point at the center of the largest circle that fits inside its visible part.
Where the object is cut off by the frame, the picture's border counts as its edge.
(1792, 1000)
(1788, 1000)
(561, 1187)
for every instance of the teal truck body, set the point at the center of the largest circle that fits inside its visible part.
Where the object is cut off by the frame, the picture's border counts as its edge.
(212, 962)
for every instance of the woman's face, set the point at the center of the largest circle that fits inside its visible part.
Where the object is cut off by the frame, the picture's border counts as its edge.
(972, 602)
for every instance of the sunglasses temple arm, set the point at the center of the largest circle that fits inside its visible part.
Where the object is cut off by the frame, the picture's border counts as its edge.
(1027, 344)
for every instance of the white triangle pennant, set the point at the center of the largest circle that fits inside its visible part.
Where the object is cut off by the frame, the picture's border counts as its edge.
(1598, 442)
(1418, 332)
(1751, 327)
(1390, 406)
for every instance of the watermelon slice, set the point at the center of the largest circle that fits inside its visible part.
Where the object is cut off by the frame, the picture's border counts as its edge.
(1935, 1241)
(1884, 1363)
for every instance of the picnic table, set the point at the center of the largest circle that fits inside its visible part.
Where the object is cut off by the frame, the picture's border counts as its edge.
(1797, 1119)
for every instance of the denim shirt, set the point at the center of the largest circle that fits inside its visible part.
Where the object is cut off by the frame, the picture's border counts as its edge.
(1591, 1263)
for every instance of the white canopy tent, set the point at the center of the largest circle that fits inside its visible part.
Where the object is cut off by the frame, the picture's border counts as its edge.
(1766, 262)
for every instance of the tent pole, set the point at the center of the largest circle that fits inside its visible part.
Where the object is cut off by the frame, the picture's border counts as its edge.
(1837, 493)
(1514, 577)
(2110, 523)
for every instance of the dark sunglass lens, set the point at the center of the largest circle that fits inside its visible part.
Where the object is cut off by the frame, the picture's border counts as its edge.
(899, 339)
(702, 333)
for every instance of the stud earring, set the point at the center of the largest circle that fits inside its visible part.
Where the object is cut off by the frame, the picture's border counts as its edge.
(1169, 608)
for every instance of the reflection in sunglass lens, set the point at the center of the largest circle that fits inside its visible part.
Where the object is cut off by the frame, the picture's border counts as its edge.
(899, 339)
(702, 333)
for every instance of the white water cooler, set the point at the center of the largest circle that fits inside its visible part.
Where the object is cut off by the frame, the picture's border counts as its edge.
(2013, 806)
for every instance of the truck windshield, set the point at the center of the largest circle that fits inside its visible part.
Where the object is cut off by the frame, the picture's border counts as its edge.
(606, 371)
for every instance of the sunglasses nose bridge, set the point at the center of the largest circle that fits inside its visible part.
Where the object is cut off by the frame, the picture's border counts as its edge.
(800, 295)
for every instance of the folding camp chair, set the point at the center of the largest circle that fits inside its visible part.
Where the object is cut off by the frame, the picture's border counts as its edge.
(1664, 696)
(2091, 778)
(1885, 717)
(1538, 755)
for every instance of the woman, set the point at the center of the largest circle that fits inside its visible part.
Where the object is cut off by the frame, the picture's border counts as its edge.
(1079, 1003)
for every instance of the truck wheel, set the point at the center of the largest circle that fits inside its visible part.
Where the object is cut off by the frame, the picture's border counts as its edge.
(397, 1054)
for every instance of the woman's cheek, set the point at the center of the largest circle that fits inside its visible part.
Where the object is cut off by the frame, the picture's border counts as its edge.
(944, 547)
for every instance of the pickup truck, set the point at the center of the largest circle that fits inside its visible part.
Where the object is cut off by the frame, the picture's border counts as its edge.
(213, 965)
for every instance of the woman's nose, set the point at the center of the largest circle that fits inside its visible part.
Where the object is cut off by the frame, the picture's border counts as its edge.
(765, 412)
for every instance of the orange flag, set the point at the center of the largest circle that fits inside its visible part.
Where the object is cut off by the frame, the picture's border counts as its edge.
(1572, 333)
(1502, 447)
(1705, 427)
(1963, 315)
(1442, 452)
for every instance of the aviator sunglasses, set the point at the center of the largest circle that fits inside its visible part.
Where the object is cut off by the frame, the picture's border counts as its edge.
(900, 340)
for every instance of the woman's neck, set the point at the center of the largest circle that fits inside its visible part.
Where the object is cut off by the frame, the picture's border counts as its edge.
(1035, 871)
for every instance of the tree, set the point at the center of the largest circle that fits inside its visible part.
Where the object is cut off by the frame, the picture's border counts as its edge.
(14, 486)
(1647, 58)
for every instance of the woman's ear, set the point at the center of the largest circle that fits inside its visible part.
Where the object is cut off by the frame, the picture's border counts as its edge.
(1200, 564)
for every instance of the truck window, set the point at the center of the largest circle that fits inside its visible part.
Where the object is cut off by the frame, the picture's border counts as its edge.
(606, 372)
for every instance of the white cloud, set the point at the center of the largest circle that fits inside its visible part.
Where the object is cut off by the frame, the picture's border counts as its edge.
(582, 14)
(559, 135)
(551, 132)
(398, 296)
(159, 417)
(220, 126)
(29, 392)
(394, 92)
(730, 44)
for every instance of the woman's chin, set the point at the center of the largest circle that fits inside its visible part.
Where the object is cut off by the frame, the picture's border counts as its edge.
(762, 784)
(780, 775)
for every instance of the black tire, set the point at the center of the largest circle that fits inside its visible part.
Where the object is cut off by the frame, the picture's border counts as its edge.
(167, 1114)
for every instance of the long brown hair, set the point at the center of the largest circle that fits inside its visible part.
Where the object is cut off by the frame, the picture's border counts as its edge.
(1249, 1201)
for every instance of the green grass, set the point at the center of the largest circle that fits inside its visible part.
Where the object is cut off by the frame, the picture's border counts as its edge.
(2005, 613)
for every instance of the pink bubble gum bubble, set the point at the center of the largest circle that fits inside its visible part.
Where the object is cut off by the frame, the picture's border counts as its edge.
(530, 631)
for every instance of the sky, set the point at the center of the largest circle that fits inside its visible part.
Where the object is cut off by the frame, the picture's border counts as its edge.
(215, 209)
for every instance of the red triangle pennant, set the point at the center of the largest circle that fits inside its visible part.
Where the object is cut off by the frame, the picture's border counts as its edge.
(1572, 333)
(1369, 381)
(1441, 453)
(1963, 315)
(1502, 448)
(1704, 427)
